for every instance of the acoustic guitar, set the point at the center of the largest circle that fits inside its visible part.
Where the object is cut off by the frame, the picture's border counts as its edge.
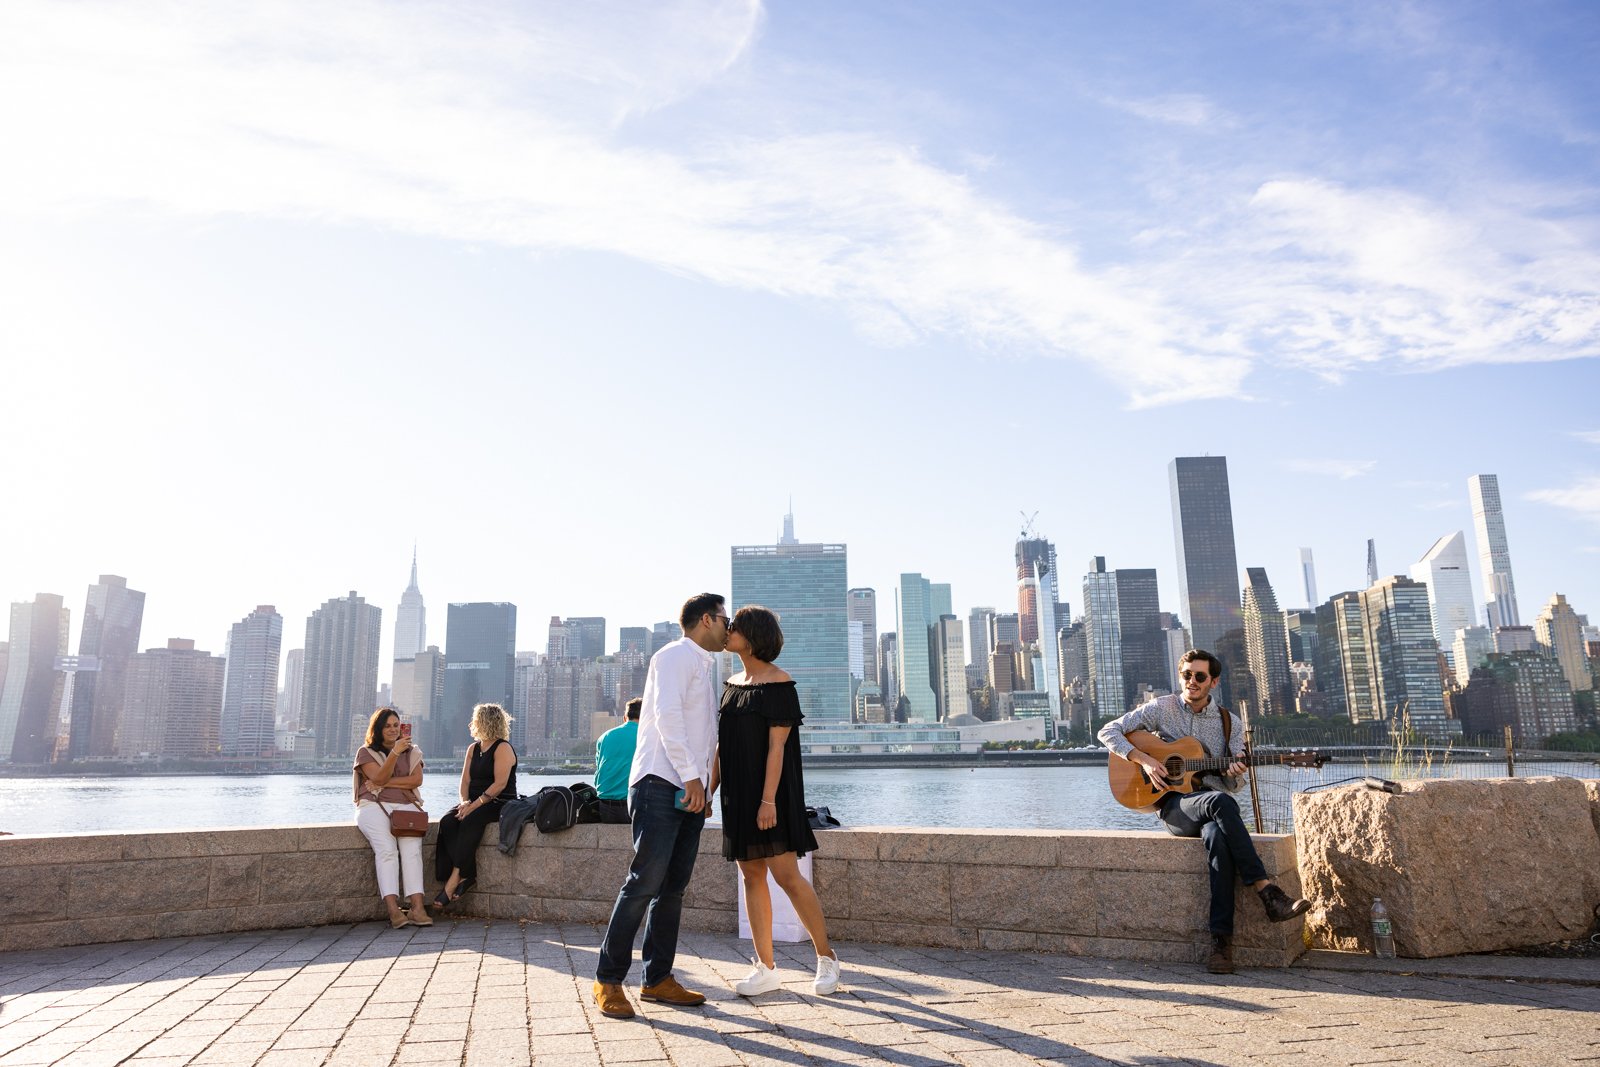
(1183, 759)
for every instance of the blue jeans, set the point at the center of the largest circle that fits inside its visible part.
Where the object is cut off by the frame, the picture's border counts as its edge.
(665, 843)
(1213, 816)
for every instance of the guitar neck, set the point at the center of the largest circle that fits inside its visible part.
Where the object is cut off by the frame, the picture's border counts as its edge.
(1220, 764)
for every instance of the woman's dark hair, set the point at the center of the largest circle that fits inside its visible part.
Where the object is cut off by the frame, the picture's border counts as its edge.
(696, 606)
(375, 727)
(1211, 661)
(760, 627)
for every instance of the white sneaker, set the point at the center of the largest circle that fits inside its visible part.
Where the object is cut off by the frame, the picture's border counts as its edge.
(827, 979)
(761, 980)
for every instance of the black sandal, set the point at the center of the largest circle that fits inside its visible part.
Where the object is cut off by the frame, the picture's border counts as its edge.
(442, 901)
(462, 886)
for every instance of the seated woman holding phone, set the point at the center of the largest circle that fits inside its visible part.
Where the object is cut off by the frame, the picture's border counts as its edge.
(488, 778)
(388, 772)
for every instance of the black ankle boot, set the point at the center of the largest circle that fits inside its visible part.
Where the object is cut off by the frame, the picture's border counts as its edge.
(1281, 907)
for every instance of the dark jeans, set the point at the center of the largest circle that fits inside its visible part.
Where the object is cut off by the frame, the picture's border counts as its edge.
(1213, 816)
(665, 843)
(457, 847)
(613, 811)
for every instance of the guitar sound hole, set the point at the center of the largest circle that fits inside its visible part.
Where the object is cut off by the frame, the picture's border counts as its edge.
(1174, 768)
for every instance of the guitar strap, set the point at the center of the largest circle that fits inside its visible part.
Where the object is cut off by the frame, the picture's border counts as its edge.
(1227, 732)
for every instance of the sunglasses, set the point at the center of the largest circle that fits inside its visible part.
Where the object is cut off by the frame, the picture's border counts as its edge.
(1195, 676)
(727, 622)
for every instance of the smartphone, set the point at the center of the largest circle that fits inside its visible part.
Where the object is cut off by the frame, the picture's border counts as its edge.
(678, 800)
(405, 730)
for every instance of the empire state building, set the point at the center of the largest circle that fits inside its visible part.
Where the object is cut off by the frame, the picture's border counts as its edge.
(411, 622)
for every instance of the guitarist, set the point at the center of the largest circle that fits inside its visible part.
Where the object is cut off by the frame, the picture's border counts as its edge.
(1210, 812)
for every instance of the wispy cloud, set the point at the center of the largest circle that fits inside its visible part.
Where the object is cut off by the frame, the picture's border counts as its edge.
(1591, 437)
(1581, 498)
(1343, 469)
(543, 129)
(1181, 109)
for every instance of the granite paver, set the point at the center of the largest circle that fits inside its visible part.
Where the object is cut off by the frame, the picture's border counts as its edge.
(512, 994)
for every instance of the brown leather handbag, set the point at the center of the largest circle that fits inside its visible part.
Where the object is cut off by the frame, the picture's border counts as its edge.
(406, 823)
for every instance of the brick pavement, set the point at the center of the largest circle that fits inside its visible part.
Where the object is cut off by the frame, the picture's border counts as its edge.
(508, 994)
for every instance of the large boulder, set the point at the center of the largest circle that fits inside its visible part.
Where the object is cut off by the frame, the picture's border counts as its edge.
(1463, 865)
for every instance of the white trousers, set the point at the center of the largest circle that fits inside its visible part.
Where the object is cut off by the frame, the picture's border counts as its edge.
(397, 856)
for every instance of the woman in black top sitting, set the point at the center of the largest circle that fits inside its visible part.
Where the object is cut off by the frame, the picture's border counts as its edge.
(764, 824)
(488, 778)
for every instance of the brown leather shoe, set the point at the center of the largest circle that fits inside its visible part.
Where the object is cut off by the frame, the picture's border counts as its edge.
(1221, 959)
(1281, 907)
(668, 991)
(612, 1001)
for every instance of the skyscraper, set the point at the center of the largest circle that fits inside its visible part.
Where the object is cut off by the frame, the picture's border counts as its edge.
(586, 637)
(805, 584)
(1473, 646)
(341, 673)
(636, 638)
(1559, 632)
(1103, 635)
(250, 683)
(419, 690)
(291, 698)
(1404, 656)
(111, 619)
(1047, 676)
(30, 700)
(1372, 562)
(950, 673)
(411, 621)
(1030, 551)
(174, 705)
(1494, 554)
(1144, 646)
(1208, 566)
(861, 609)
(889, 670)
(978, 646)
(1005, 629)
(1347, 679)
(915, 619)
(1266, 645)
(1444, 568)
(1308, 575)
(480, 667)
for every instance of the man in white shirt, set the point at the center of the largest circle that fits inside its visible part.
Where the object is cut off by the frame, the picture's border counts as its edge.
(677, 741)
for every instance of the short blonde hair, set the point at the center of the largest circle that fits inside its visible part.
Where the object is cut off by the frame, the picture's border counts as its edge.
(490, 723)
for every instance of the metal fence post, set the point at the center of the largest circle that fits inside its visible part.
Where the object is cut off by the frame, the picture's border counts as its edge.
(1511, 756)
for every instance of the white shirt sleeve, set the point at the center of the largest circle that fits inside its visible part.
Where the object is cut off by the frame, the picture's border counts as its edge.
(679, 675)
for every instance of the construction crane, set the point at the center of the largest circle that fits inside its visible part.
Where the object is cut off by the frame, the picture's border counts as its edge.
(1027, 524)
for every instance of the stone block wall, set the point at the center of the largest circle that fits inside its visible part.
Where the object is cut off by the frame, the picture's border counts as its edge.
(1135, 895)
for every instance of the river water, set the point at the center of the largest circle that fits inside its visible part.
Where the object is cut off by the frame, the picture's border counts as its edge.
(1050, 797)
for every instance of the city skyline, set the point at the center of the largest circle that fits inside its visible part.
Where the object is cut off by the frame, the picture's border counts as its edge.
(409, 600)
(280, 314)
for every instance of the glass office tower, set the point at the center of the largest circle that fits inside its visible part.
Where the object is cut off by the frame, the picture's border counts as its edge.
(1208, 566)
(480, 668)
(805, 584)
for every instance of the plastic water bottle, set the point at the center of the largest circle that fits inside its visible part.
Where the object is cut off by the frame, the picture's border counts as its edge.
(1382, 931)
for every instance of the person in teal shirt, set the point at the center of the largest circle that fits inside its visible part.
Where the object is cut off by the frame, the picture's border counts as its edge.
(613, 760)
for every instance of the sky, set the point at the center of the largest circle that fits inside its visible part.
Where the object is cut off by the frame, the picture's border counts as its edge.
(574, 297)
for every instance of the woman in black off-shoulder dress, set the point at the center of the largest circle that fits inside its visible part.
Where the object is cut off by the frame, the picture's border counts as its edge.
(764, 823)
